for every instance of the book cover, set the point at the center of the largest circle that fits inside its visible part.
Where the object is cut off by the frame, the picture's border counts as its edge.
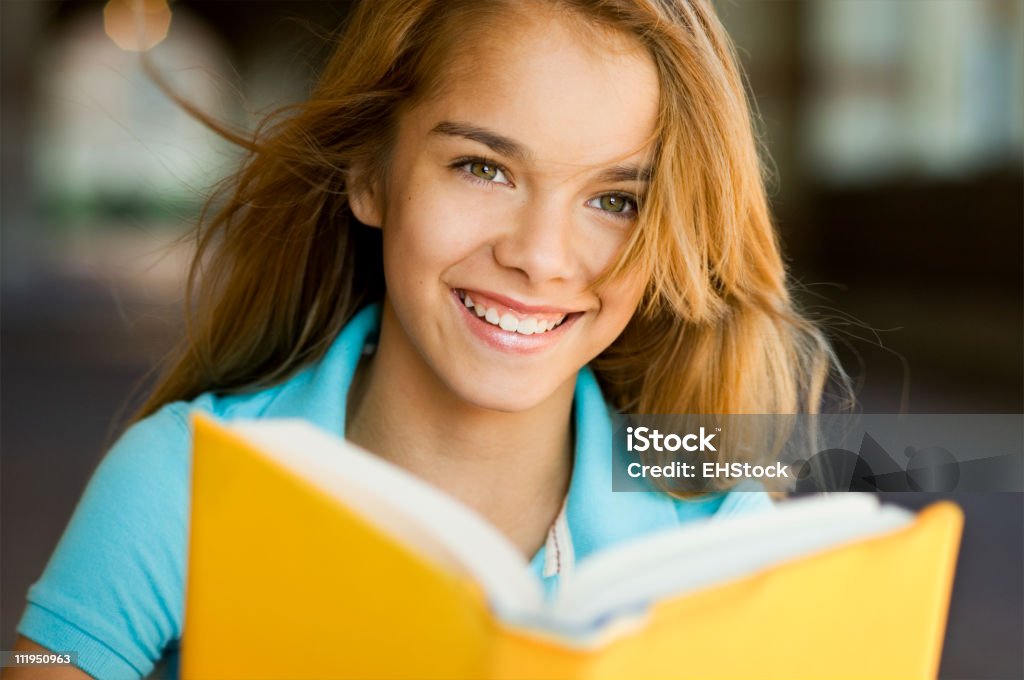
(286, 579)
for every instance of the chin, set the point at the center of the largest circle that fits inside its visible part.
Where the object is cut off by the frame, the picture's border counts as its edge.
(503, 397)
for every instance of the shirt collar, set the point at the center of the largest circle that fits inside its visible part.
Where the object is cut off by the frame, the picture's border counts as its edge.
(599, 517)
(319, 393)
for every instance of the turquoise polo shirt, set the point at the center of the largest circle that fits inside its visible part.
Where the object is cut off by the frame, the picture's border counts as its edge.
(113, 589)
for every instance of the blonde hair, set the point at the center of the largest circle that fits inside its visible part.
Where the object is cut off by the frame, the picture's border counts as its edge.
(281, 264)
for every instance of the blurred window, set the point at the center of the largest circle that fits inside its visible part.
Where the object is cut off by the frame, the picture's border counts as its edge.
(108, 144)
(914, 88)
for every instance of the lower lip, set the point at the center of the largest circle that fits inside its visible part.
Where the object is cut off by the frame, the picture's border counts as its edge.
(510, 341)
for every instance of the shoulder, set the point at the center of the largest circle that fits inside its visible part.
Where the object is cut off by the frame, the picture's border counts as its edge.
(147, 464)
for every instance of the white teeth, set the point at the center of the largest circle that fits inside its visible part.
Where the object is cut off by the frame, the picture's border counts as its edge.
(509, 322)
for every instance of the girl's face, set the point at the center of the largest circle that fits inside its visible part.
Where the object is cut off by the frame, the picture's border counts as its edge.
(512, 190)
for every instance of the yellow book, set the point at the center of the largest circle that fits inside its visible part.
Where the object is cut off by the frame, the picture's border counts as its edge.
(309, 558)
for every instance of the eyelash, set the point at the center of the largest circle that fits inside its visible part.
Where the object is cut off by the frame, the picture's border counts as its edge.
(459, 166)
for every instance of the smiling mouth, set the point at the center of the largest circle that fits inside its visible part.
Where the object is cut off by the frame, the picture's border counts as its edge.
(503, 318)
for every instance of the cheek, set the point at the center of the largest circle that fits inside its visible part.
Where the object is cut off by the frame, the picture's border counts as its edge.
(619, 301)
(599, 241)
(429, 228)
(432, 223)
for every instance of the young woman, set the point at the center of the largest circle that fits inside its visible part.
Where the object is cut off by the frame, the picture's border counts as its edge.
(490, 224)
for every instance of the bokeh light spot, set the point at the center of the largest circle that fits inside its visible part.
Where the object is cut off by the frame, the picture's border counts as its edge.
(136, 25)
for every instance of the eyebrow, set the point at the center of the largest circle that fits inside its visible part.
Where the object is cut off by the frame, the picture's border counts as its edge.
(497, 143)
(626, 173)
(513, 149)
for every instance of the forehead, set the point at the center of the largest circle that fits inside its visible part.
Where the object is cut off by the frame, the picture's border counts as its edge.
(573, 96)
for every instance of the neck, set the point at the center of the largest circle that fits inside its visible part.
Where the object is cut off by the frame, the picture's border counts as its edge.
(512, 468)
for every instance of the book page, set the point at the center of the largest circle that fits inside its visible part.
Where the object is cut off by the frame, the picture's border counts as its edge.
(626, 579)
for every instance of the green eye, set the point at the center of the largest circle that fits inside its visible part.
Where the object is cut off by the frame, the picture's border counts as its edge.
(620, 206)
(616, 203)
(481, 170)
(484, 170)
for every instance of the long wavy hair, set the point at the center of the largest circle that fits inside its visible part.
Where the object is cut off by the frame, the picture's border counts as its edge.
(281, 264)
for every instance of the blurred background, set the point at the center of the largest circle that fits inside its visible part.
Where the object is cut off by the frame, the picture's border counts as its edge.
(896, 136)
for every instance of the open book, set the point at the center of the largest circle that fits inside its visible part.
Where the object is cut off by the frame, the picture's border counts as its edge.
(311, 558)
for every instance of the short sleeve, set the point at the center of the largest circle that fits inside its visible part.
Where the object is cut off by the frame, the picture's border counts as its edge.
(113, 590)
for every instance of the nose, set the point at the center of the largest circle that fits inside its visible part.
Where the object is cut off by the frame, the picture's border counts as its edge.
(539, 241)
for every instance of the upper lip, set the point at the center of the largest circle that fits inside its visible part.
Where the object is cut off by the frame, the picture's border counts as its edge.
(517, 306)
